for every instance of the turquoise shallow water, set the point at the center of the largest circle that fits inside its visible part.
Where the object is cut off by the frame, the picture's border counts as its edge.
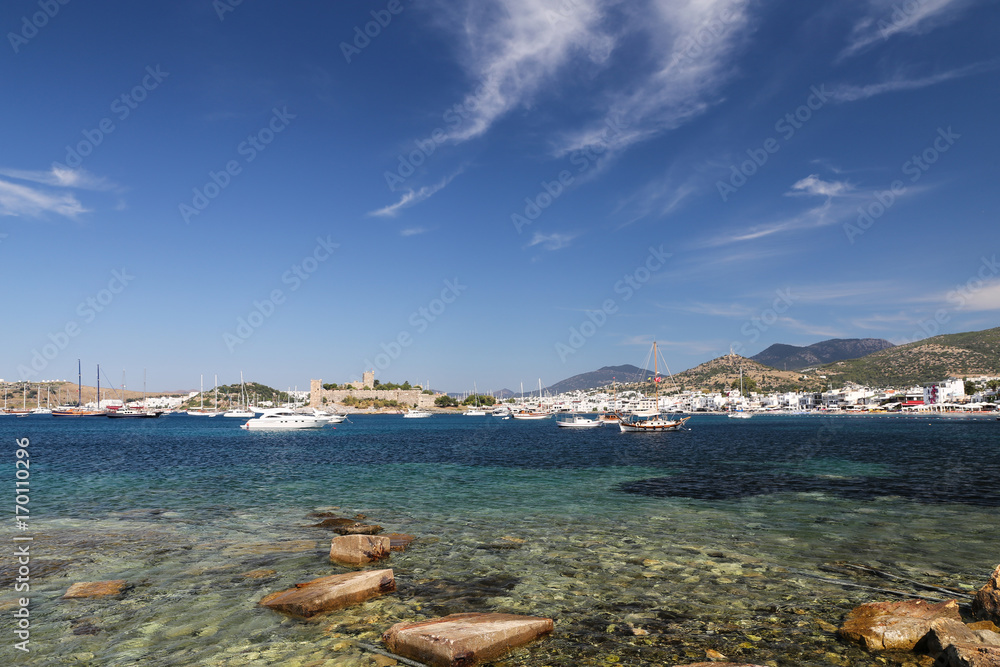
(646, 549)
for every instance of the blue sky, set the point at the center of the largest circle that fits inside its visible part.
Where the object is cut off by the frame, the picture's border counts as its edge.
(488, 192)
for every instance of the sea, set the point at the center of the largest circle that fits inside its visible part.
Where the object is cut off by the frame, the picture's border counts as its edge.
(749, 539)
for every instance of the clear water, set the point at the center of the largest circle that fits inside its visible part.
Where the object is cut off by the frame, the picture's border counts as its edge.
(646, 549)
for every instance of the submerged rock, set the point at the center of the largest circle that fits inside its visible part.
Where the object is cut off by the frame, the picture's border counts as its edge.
(94, 589)
(333, 523)
(330, 593)
(460, 640)
(358, 529)
(399, 541)
(718, 664)
(359, 549)
(986, 604)
(895, 625)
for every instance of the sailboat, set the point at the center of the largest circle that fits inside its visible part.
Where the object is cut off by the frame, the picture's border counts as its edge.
(529, 414)
(740, 413)
(127, 412)
(476, 411)
(655, 423)
(242, 410)
(24, 400)
(201, 411)
(78, 410)
(39, 410)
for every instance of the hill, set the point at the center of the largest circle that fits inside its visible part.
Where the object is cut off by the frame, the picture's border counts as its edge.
(720, 373)
(793, 357)
(599, 378)
(951, 355)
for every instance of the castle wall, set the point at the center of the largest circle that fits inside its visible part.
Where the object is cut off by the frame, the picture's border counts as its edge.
(405, 397)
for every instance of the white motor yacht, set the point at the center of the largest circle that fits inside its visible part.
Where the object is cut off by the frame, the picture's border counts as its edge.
(576, 421)
(416, 414)
(283, 418)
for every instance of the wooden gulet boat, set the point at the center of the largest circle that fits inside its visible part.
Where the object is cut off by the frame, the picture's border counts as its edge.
(656, 423)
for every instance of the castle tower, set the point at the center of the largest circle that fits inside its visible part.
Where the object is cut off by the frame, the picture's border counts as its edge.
(368, 379)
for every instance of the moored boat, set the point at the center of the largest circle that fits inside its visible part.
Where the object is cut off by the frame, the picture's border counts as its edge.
(283, 419)
(578, 421)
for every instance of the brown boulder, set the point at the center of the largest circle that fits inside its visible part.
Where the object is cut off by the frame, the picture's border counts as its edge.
(895, 625)
(947, 631)
(400, 541)
(461, 640)
(359, 549)
(329, 593)
(986, 604)
(94, 589)
(969, 655)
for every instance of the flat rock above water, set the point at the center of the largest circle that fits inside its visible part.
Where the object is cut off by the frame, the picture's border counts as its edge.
(895, 625)
(460, 640)
(329, 593)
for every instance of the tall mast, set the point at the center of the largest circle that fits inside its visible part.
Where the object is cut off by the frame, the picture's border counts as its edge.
(79, 382)
(98, 386)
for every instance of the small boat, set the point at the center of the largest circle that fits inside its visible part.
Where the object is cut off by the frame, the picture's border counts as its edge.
(240, 412)
(283, 419)
(576, 421)
(330, 417)
(416, 414)
(740, 414)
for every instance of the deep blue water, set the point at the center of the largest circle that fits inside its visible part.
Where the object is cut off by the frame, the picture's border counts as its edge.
(168, 499)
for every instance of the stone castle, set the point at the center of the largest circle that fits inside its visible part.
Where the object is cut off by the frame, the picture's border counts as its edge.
(407, 398)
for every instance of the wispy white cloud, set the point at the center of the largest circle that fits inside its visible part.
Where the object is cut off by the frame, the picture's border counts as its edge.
(27, 199)
(23, 201)
(887, 18)
(412, 231)
(814, 185)
(847, 93)
(513, 47)
(411, 197)
(62, 177)
(554, 241)
(692, 48)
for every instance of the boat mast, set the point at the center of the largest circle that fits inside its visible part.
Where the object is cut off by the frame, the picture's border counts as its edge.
(98, 387)
(79, 382)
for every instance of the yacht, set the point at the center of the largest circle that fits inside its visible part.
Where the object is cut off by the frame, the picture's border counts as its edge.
(283, 419)
(651, 421)
(576, 421)
(416, 414)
